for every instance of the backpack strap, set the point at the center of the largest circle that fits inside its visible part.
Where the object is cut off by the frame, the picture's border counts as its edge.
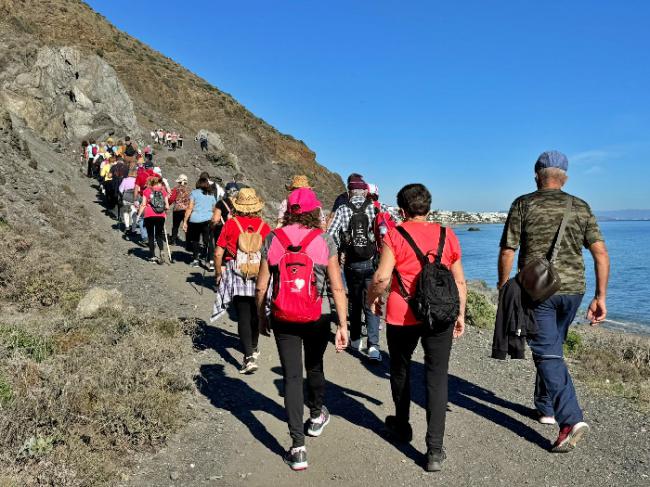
(282, 237)
(259, 230)
(304, 243)
(441, 244)
(238, 224)
(421, 257)
(309, 238)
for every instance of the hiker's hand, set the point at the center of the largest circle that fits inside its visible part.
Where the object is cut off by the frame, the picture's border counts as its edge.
(341, 338)
(459, 327)
(184, 227)
(217, 277)
(265, 328)
(597, 311)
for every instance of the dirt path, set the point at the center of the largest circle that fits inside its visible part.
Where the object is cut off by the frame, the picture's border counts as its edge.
(238, 432)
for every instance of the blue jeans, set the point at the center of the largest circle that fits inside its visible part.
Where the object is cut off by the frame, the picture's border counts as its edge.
(143, 230)
(358, 276)
(554, 391)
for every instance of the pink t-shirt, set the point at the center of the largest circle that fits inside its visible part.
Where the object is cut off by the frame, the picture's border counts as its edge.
(148, 210)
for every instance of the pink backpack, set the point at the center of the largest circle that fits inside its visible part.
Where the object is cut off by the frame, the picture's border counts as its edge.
(295, 291)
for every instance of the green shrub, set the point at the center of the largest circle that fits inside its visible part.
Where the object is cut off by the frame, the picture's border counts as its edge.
(20, 341)
(573, 343)
(480, 312)
(6, 393)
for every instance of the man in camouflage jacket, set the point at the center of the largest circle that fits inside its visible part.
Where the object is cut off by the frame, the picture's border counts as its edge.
(531, 227)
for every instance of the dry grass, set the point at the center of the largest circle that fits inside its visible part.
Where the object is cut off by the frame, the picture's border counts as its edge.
(614, 363)
(77, 396)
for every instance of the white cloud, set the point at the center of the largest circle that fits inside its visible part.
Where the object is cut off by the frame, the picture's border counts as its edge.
(595, 156)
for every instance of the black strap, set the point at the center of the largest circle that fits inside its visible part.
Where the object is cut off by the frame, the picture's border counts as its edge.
(555, 249)
(421, 257)
(359, 209)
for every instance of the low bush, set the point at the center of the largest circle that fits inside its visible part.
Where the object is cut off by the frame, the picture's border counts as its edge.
(480, 312)
(79, 395)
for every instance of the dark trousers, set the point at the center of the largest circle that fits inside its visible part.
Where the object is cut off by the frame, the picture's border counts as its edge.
(402, 341)
(248, 326)
(291, 339)
(177, 219)
(196, 232)
(554, 391)
(358, 276)
(155, 226)
(90, 168)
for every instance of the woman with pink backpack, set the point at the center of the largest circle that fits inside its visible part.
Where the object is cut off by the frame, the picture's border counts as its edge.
(300, 257)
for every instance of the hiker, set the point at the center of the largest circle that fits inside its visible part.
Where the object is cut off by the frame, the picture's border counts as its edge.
(203, 141)
(301, 248)
(143, 174)
(91, 152)
(534, 223)
(127, 203)
(343, 198)
(215, 188)
(180, 198)
(223, 209)
(118, 171)
(154, 206)
(130, 151)
(83, 155)
(384, 220)
(297, 182)
(239, 250)
(180, 141)
(405, 248)
(351, 229)
(196, 223)
(174, 140)
(158, 171)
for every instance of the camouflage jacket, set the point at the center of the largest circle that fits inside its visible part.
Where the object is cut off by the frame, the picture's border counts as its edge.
(532, 225)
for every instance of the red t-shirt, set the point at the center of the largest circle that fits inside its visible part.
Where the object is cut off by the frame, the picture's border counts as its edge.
(142, 176)
(426, 236)
(230, 232)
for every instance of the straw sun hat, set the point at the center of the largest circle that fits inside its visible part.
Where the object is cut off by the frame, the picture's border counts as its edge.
(247, 201)
(300, 181)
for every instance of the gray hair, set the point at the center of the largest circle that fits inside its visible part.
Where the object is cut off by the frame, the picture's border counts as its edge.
(358, 192)
(547, 174)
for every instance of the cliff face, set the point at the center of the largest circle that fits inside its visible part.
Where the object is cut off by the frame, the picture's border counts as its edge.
(69, 73)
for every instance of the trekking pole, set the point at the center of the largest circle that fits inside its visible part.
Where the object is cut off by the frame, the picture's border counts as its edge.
(207, 251)
(169, 251)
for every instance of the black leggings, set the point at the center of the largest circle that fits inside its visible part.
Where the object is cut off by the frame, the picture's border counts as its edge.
(197, 231)
(177, 219)
(155, 226)
(291, 338)
(248, 326)
(402, 341)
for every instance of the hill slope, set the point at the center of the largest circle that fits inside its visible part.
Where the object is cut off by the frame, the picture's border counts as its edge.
(157, 92)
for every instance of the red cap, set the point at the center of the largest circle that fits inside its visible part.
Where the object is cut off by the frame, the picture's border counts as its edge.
(302, 200)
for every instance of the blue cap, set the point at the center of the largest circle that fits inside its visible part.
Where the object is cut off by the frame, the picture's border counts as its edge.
(552, 158)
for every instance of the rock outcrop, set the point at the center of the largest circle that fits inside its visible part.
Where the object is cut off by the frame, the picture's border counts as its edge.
(64, 94)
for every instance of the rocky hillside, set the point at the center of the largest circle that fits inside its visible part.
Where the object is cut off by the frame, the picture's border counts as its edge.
(67, 73)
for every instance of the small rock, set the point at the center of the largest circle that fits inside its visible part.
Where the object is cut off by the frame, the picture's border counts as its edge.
(97, 298)
(174, 475)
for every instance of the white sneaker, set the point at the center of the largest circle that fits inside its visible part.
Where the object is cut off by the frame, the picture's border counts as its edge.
(256, 355)
(547, 420)
(211, 266)
(356, 345)
(374, 353)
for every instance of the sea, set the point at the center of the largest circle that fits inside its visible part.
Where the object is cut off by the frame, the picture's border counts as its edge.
(628, 296)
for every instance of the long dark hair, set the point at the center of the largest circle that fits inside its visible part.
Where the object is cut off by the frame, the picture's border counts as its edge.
(204, 185)
(310, 219)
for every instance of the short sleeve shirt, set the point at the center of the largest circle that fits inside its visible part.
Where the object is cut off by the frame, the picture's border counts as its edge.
(203, 206)
(320, 250)
(230, 232)
(532, 225)
(426, 236)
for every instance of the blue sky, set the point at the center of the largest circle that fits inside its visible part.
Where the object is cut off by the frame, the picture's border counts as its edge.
(461, 96)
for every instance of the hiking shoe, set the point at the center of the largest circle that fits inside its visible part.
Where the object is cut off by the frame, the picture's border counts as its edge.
(296, 458)
(549, 420)
(249, 366)
(316, 426)
(401, 432)
(211, 266)
(374, 353)
(434, 460)
(195, 263)
(569, 436)
(153, 260)
(256, 354)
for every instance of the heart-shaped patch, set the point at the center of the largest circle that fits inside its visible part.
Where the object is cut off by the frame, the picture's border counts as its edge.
(299, 283)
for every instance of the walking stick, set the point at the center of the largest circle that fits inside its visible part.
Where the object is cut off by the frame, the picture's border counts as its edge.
(169, 251)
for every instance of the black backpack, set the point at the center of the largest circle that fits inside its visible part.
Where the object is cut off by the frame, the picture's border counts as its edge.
(436, 301)
(129, 151)
(157, 201)
(357, 243)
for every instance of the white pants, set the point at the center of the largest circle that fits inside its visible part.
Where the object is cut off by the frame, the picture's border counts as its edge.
(128, 217)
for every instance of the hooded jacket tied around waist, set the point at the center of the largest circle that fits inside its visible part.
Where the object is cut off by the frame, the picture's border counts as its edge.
(514, 323)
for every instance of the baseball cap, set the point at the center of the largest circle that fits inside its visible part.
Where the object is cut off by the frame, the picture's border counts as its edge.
(302, 200)
(552, 158)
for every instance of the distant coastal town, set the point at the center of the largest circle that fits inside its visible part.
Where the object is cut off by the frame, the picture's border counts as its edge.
(461, 217)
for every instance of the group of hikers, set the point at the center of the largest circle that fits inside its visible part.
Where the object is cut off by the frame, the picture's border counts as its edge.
(170, 139)
(368, 259)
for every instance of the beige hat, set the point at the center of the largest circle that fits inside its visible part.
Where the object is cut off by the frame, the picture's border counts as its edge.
(182, 179)
(247, 201)
(300, 181)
